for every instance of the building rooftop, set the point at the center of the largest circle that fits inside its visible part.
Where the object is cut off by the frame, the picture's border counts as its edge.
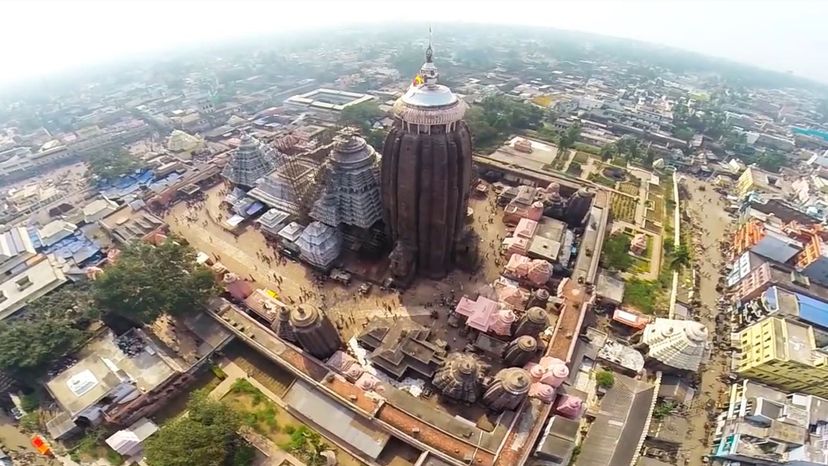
(609, 287)
(619, 421)
(671, 429)
(286, 187)
(272, 218)
(127, 224)
(542, 153)
(55, 231)
(798, 342)
(43, 274)
(336, 419)
(544, 248)
(14, 243)
(682, 344)
(797, 305)
(624, 356)
(402, 347)
(765, 424)
(98, 207)
(328, 99)
(101, 367)
(558, 440)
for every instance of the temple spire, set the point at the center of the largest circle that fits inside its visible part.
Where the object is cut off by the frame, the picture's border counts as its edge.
(428, 72)
(429, 51)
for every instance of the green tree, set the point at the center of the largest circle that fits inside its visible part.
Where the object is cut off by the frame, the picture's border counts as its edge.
(109, 165)
(734, 140)
(47, 330)
(569, 137)
(484, 134)
(206, 436)
(649, 157)
(376, 138)
(28, 348)
(498, 116)
(308, 445)
(609, 151)
(771, 160)
(615, 255)
(663, 409)
(73, 305)
(361, 115)
(604, 379)
(683, 132)
(629, 147)
(148, 281)
(680, 258)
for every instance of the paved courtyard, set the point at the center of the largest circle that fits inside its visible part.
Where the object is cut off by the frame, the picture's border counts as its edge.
(249, 255)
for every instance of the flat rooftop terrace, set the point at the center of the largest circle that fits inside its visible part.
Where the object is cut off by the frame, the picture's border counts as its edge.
(542, 153)
(330, 99)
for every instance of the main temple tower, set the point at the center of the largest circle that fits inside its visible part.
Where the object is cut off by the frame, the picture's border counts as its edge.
(426, 171)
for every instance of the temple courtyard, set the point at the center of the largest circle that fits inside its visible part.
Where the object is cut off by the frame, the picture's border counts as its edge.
(247, 252)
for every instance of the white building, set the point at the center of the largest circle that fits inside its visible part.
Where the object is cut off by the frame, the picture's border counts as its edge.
(682, 344)
(15, 248)
(98, 209)
(765, 426)
(33, 282)
(320, 244)
(352, 194)
(105, 378)
(55, 231)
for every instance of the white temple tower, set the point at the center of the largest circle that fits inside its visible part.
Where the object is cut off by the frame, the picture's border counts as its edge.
(681, 344)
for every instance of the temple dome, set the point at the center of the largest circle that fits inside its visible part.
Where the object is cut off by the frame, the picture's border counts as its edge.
(677, 343)
(437, 95)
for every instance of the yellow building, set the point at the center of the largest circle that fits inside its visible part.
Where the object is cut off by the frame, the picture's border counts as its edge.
(783, 354)
(755, 179)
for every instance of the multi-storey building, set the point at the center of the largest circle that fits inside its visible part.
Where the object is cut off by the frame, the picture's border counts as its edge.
(769, 427)
(754, 179)
(784, 354)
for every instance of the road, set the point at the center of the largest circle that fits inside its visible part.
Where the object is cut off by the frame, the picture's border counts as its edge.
(19, 446)
(710, 223)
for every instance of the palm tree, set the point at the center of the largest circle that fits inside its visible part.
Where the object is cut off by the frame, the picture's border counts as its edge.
(681, 258)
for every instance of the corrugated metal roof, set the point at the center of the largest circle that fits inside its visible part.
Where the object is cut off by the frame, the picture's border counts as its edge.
(336, 419)
(613, 438)
(813, 310)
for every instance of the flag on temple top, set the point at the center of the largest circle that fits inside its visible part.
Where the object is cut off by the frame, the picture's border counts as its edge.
(419, 80)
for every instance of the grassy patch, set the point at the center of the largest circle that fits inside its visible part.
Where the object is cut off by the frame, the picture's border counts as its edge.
(574, 168)
(615, 253)
(581, 157)
(177, 405)
(619, 162)
(640, 266)
(641, 294)
(588, 148)
(602, 180)
(262, 415)
(256, 410)
(92, 447)
(623, 207)
(30, 422)
(629, 187)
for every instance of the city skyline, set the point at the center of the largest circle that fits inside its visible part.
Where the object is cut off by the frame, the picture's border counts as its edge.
(771, 35)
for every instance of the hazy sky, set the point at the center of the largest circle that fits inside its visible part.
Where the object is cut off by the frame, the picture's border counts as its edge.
(44, 37)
